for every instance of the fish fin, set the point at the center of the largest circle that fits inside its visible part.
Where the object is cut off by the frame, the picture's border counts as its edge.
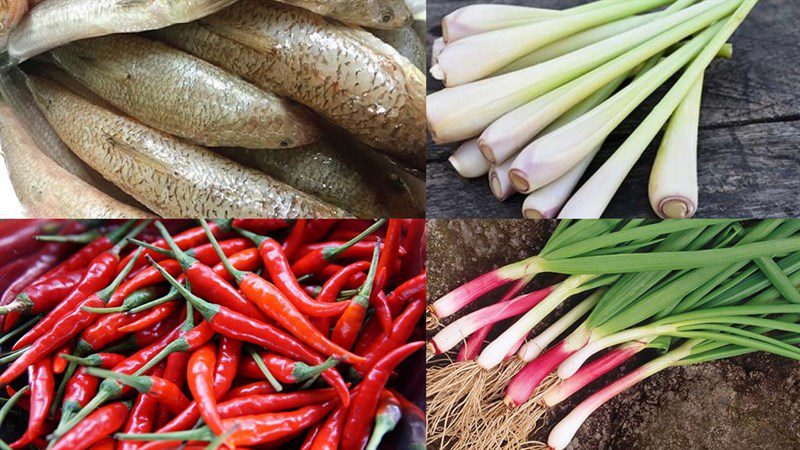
(134, 153)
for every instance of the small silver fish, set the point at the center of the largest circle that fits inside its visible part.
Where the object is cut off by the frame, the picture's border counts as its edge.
(54, 23)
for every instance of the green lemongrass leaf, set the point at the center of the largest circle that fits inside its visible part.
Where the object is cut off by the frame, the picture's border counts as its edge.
(762, 325)
(725, 311)
(630, 248)
(577, 232)
(778, 278)
(640, 262)
(755, 337)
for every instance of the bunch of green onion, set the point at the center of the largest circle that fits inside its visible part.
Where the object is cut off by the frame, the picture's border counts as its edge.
(532, 94)
(694, 290)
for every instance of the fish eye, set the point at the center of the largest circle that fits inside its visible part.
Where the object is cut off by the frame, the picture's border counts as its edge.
(387, 16)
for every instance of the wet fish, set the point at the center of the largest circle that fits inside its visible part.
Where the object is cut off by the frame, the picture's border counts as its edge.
(11, 12)
(344, 73)
(171, 177)
(407, 42)
(14, 89)
(368, 13)
(44, 188)
(53, 23)
(338, 175)
(183, 95)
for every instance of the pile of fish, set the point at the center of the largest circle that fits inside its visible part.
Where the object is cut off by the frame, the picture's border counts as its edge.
(214, 108)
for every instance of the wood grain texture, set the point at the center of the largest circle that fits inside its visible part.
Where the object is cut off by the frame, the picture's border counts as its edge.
(749, 163)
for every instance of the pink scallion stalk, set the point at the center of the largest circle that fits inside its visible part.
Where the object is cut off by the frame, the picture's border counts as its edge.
(563, 433)
(592, 371)
(472, 348)
(454, 333)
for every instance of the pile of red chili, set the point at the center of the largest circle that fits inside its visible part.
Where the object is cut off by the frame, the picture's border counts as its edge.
(247, 333)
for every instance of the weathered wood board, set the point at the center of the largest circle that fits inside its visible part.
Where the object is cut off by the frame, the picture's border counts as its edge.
(749, 151)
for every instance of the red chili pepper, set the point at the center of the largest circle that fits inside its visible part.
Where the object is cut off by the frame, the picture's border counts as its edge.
(409, 408)
(147, 337)
(267, 403)
(391, 250)
(403, 327)
(37, 265)
(281, 274)
(98, 425)
(330, 433)
(68, 326)
(190, 238)
(355, 281)
(175, 372)
(261, 226)
(285, 369)
(318, 258)
(101, 271)
(204, 281)
(107, 443)
(141, 418)
(228, 358)
(248, 260)
(347, 327)
(20, 242)
(387, 416)
(151, 318)
(42, 382)
(295, 238)
(316, 229)
(42, 295)
(241, 327)
(365, 400)
(201, 383)
(107, 329)
(378, 301)
(97, 245)
(81, 386)
(308, 441)
(255, 388)
(331, 289)
(59, 364)
(414, 243)
(166, 392)
(145, 278)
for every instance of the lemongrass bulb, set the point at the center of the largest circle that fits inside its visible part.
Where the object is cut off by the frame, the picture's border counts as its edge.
(475, 57)
(672, 189)
(477, 19)
(436, 48)
(498, 181)
(469, 161)
(553, 155)
(546, 202)
(463, 112)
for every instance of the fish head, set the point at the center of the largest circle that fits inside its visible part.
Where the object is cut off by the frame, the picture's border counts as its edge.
(389, 14)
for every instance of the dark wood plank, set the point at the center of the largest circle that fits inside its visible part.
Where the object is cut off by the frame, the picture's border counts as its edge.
(749, 163)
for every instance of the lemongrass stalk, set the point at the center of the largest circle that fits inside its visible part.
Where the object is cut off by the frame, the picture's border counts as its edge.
(593, 197)
(549, 157)
(562, 434)
(534, 347)
(476, 19)
(482, 18)
(592, 371)
(495, 352)
(436, 48)
(478, 56)
(462, 112)
(499, 182)
(505, 138)
(577, 41)
(454, 333)
(672, 188)
(468, 160)
(546, 202)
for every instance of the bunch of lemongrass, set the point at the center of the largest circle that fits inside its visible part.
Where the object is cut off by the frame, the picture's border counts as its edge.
(532, 94)
(720, 297)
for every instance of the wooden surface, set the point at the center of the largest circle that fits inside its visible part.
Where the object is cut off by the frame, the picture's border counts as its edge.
(749, 152)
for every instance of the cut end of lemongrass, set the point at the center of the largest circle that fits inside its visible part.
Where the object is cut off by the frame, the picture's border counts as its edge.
(519, 180)
(436, 48)
(532, 214)
(676, 208)
(487, 151)
(436, 71)
(468, 160)
(500, 184)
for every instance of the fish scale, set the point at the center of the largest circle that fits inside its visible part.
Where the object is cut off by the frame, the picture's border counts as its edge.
(171, 177)
(180, 94)
(344, 73)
